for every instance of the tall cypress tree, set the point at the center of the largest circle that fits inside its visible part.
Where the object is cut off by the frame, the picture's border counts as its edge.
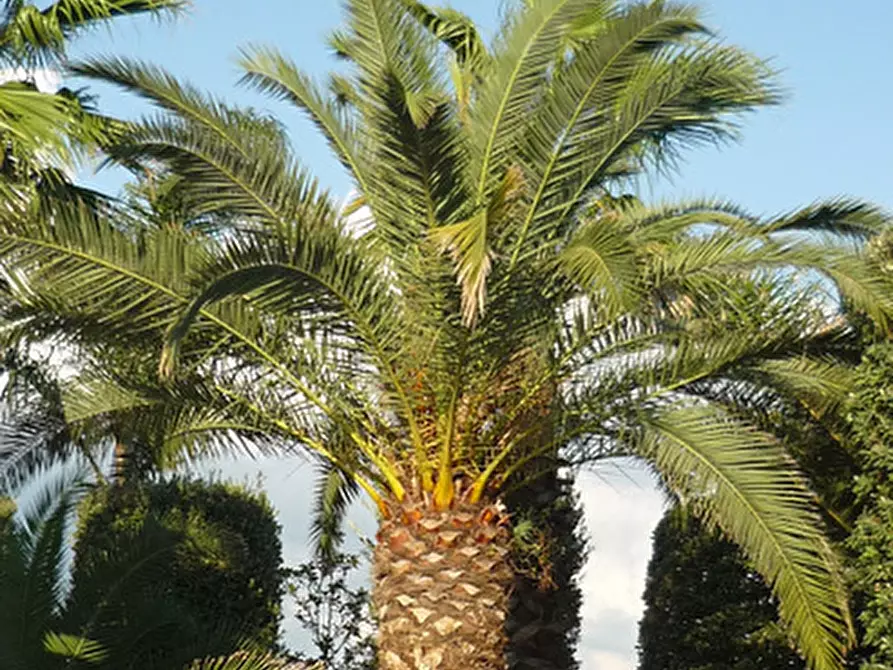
(706, 609)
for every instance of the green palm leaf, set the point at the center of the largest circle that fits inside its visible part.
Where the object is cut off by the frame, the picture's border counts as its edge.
(732, 475)
(503, 308)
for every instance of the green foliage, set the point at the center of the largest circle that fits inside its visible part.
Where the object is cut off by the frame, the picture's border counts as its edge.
(214, 556)
(544, 620)
(503, 304)
(334, 613)
(870, 412)
(122, 607)
(33, 578)
(41, 132)
(706, 608)
(7, 508)
(248, 661)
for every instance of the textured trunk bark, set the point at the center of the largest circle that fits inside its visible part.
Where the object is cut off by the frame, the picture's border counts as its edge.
(441, 588)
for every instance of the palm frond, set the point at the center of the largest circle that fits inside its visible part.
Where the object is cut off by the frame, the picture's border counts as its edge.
(33, 432)
(36, 36)
(335, 491)
(603, 263)
(268, 71)
(165, 91)
(742, 481)
(35, 121)
(455, 30)
(75, 648)
(242, 660)
(671, 101)
(594, 78)
(33, 554)
(845, 217)
(527, 46)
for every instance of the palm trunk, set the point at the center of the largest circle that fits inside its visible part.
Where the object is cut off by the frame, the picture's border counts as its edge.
(441, 587)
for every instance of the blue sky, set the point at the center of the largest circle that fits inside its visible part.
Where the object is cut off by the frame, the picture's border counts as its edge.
(833, 136)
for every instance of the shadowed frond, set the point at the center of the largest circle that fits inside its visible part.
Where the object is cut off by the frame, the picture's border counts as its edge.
(844, 217)
(456, 31)
(335, 491)
(33, 553)
(243, 660)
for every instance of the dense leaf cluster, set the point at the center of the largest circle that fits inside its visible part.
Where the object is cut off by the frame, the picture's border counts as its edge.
(871, 542)
(216, 570)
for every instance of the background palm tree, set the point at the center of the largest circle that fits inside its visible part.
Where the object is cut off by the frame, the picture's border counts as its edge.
(502, 305)
(44, 132)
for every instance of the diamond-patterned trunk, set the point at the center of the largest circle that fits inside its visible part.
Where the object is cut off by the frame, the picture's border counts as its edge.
(441, 583)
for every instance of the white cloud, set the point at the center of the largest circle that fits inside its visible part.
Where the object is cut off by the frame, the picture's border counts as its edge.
(46, 80)
(359, 221)
(602, 660)
(622, 508)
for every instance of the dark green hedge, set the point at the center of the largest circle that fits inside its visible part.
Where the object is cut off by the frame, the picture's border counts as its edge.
(201, 561)
(705, 609)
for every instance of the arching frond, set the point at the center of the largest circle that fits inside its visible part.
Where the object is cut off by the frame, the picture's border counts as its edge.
(742, 481)
(603, 263)
(268, 71)
(31, 118)
(190, 105)
(456, 31)
(34, 36)
(844, 217)
(32, 569)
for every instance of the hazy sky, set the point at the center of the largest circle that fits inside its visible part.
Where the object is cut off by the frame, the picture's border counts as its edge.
(833, 136)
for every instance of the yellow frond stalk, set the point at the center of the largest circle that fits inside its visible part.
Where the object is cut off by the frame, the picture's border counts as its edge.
(445, 491)
(384, 467)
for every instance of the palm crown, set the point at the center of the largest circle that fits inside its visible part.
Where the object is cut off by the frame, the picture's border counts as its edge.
(503, 304)
(34, 38)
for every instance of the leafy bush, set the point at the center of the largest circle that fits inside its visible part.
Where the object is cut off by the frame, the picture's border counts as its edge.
(210, 572)
(871, 542)
(335, 614)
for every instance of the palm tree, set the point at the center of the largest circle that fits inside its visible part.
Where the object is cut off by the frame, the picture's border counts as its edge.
(501, 307)
(45, 133)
